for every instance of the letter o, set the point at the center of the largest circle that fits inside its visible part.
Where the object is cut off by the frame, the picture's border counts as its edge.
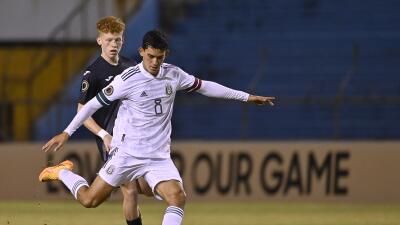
(199, 188)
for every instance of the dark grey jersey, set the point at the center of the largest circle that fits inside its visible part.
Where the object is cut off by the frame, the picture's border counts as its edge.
(97, 76)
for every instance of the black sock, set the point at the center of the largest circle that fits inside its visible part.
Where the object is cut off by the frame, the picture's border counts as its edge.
(137, 221)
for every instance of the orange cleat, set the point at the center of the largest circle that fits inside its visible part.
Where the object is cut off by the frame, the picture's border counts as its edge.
(51, 173)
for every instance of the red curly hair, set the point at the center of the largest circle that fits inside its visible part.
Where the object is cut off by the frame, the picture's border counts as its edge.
(110, 24)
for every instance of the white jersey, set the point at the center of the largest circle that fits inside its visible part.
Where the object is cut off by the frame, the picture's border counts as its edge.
(143, 124)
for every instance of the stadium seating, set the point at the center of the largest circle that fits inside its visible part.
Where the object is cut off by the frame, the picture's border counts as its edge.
(309, 47)
(300, 51)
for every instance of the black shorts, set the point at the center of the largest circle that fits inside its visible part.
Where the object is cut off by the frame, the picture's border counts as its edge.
(102, 150)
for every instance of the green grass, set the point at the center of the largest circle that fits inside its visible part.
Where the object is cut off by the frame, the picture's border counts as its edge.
(215, 213)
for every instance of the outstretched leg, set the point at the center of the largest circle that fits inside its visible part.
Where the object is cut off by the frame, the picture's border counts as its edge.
(95, 194)
(88, 196)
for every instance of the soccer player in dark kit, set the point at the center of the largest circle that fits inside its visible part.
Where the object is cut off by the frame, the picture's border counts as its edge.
(98, 75)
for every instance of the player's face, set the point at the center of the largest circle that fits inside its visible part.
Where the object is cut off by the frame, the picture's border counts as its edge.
(111, 44)
(152, 59)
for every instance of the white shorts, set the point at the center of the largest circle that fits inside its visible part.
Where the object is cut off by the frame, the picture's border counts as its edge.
(121, 168)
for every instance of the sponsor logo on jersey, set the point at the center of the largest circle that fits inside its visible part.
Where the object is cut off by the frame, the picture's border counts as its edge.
(109, 78)
(86, 72)
(144, 94)
(109, 90)
(168, 89)
(84, 86)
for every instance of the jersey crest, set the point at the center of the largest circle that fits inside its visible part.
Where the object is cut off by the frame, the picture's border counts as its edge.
(84, 86)
(109, 90)
(168, 89)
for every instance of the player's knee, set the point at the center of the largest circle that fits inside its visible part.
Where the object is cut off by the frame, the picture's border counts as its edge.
(129, 191)
(90, 202)
(176, 197)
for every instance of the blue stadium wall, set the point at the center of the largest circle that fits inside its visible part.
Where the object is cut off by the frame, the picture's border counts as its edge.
(334, 66)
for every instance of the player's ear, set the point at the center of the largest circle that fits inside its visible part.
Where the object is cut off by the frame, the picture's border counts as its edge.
(98, 40)
(141, 51)
(166, 52)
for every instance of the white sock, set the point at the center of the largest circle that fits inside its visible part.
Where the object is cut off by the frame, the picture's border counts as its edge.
(72, 181)
(173, 216)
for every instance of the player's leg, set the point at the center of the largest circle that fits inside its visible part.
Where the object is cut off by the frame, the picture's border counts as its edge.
(130, 203)
(172, 192)
(166, 183)
(88, 196)
(143, 187)
(129, 193)
(95, 194)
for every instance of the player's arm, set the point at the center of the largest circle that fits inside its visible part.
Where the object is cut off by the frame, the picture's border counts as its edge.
(86, 111)
(91, 125)
(103, 98)
(213, 89)
(88, 91)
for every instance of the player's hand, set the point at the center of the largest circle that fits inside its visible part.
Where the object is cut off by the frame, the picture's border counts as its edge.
(107, 142)
(56, 142)
(261, 100)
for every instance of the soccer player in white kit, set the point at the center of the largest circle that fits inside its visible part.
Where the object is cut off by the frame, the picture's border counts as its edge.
(141, 141)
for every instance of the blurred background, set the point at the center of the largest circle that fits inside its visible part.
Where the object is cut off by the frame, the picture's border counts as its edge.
(333, 65)
(333, 135)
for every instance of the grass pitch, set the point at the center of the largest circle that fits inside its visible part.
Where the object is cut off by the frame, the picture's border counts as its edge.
(210, 213)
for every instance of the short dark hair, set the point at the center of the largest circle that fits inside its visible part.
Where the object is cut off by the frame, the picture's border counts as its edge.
(155, 39)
